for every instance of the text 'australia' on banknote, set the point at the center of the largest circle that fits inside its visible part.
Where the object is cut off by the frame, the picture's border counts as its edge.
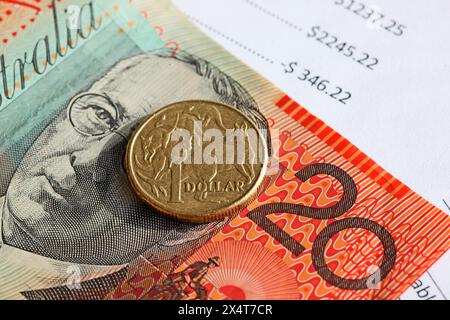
(329, 223)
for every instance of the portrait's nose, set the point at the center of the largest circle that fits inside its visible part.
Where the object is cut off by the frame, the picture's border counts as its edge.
(86, 161)
(100, 159)
(60, 173)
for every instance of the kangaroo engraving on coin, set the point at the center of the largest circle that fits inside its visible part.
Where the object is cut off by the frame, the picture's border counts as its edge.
(197, 161)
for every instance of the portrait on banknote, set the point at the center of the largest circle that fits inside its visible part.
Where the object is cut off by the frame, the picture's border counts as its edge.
(70, 200)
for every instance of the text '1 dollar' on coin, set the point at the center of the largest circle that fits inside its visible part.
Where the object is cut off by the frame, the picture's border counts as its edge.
(197, 161)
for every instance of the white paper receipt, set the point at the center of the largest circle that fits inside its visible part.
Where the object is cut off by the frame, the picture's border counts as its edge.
(376, 71)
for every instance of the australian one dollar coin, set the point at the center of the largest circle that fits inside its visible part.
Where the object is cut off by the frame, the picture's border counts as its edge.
(197, 161)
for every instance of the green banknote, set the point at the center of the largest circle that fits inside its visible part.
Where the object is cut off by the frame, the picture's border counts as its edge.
(67, 212)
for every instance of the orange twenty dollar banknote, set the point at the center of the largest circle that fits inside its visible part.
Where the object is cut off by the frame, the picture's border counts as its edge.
(329, 223)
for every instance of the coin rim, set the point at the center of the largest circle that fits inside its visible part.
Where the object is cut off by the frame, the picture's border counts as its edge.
(229, 210)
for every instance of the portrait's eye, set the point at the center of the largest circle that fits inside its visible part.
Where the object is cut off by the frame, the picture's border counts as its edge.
(93, 114)
(103, 114)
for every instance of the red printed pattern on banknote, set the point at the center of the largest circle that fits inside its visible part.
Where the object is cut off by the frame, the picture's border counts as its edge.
(17, 15)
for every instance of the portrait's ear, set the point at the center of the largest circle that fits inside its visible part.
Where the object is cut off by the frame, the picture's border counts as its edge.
(93, 114)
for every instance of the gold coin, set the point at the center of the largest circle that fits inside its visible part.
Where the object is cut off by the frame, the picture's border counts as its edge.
(197, 161)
